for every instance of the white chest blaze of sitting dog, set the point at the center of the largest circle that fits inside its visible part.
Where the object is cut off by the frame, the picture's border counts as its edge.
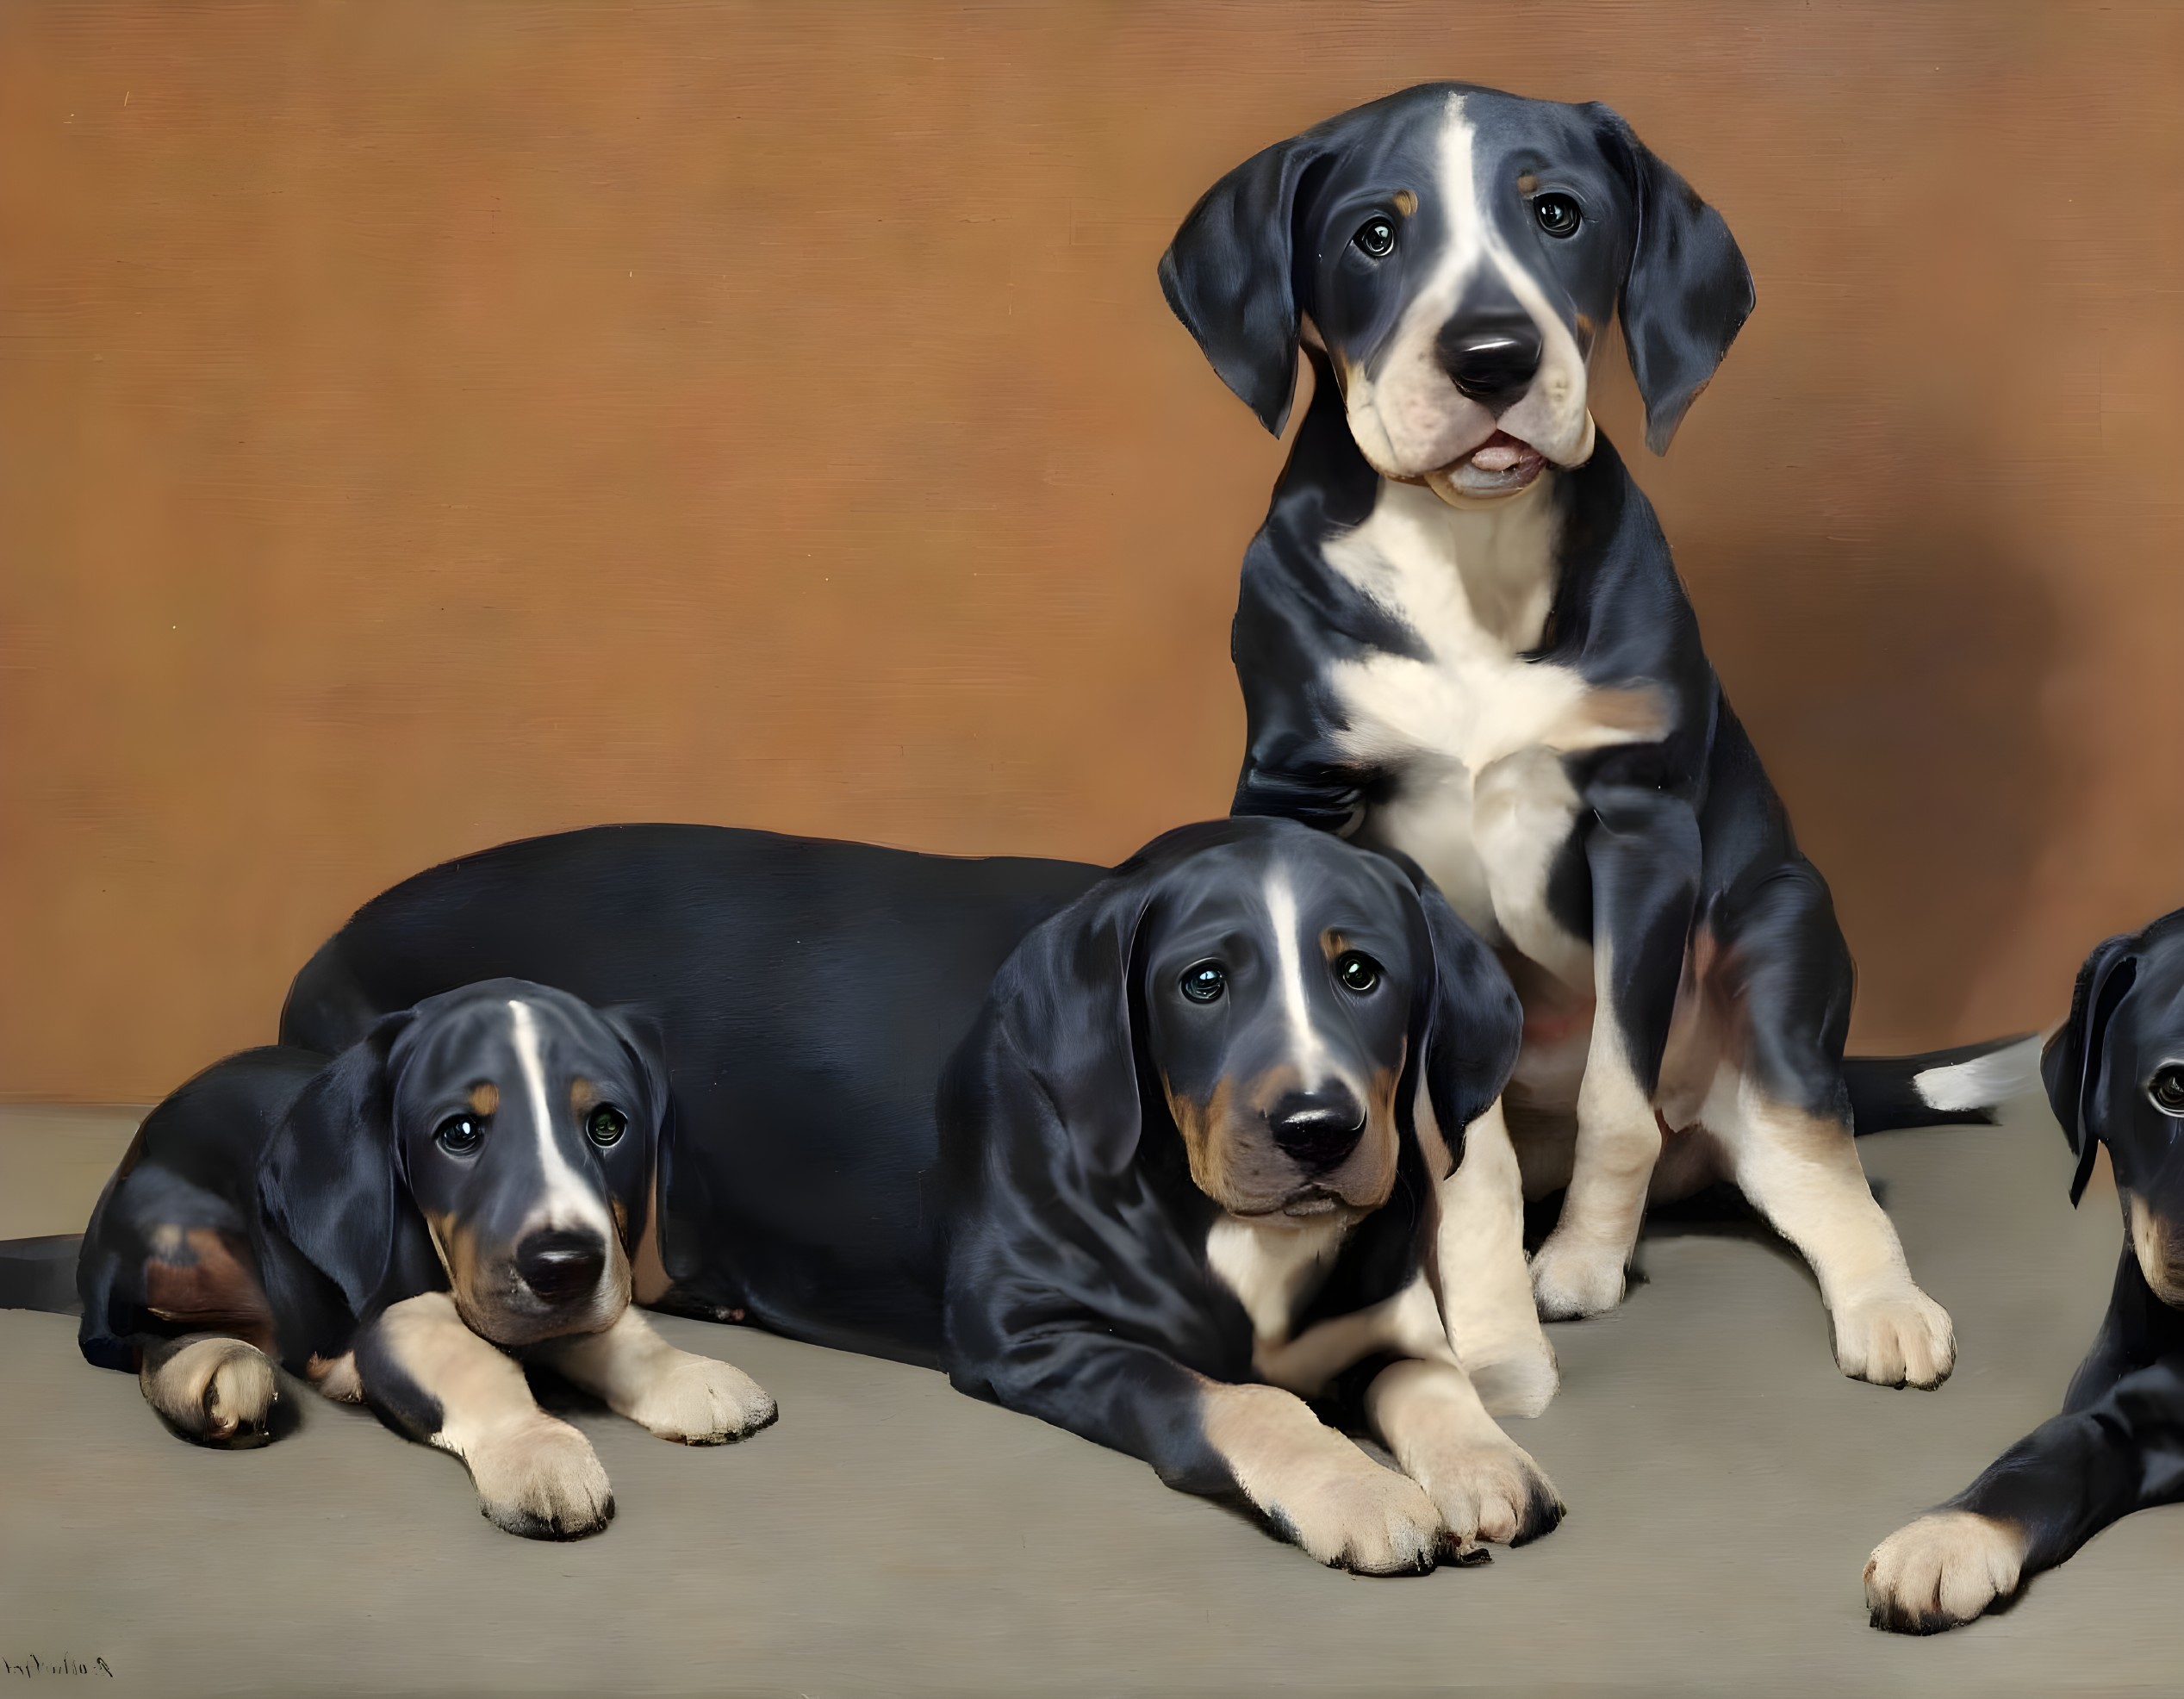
(569, 1201)
(1472, 733)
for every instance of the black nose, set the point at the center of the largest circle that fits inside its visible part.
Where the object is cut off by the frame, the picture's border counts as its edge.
(559, 1267)
(1490, 358)
(1317, 1129)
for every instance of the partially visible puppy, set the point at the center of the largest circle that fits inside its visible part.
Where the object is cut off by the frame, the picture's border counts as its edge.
(2115, 1075)
(460, 1192)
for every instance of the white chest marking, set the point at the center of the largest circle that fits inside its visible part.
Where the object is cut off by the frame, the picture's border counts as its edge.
(1269, 1268)
(569, 1201)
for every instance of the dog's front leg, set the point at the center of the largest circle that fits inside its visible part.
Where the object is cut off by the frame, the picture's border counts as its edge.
(1486, 1486)
(1479, 1271)
(693, 1400)
(435, 1380)
(1643, 858)
(1218, 1438)
(2118, 1446)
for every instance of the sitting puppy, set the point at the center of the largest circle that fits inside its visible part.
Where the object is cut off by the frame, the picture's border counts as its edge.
(458, 1192)
(1461, 635)
(2114, 1073)
(1181, 1176)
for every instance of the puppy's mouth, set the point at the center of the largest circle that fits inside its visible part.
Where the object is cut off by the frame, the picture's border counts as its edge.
(1314, 1203)
(1502, 465)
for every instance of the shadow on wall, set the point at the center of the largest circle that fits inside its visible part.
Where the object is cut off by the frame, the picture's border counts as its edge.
(1895, 688)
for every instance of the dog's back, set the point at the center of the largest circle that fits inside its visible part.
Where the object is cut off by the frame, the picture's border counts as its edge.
(808, 995)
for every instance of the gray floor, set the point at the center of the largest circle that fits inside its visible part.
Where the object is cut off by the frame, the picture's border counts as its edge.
(890, 1536)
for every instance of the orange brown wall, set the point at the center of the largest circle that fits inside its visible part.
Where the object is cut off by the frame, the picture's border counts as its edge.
(423, 426)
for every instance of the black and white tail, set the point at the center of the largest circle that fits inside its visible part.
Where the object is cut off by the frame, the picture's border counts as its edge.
(1941, 1087)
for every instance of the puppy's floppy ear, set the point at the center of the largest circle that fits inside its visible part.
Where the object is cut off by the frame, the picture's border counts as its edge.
(328, 1179)
(1229, 275)
(2070, 1062)
(642, 1035)
(1687, 291)
(1055, 1046)
(1468, 1023)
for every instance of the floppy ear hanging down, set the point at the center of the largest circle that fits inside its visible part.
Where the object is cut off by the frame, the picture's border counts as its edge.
(1687, 291)
(329, 1181)
(2070, 1064)
(1470, 1025)
(1228, 276)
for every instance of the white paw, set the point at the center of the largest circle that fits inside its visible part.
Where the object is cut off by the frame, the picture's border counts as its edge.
(1570, 1280)
(1493, 1492)
(1522, 1383)
(699, 1401)
(1896, 1338)
(541, 1479)
(1941, 1570)
(216, 1391)
(1357, 1515)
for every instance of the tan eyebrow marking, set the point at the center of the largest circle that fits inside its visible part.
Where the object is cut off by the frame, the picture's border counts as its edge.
(485, 1097)
(1406, 203)
(1526, 183)
(582, 1094)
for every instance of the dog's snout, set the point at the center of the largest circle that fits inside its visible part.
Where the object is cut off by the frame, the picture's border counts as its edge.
(559, 1266)
(1317, 1129)
(1492, 359)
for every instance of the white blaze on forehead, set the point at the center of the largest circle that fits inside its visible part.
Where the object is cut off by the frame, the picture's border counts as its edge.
(1288, 966)
(570, 1201)
(1409, 417)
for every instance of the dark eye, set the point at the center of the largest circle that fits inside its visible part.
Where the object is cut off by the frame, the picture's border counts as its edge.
(2167, 1089)
(606, 1126)
(1205, 982)
(459, 1135)
(1558, 214)
(1375, 238)
(1357, 972)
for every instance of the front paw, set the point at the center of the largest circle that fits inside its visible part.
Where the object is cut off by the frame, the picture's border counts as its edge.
(1941, 1570)
(1361, 1517)
(1570, 1281)
(701, 1401)
(1896, 1338)
(541, 1479)
(1492, 1492)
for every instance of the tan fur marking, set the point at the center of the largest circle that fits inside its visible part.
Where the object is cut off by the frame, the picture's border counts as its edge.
(1406, 203)
(2157, 1249)
(336, 1378)
(485, 1097)
(583, 1095)
(535, 1475)
(649, 1279)
(677, 1395)
(1585, 326)
(199, 1279)
(1333, 1500)
(1200, 1124)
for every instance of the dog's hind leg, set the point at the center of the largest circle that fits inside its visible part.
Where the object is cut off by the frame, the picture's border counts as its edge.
(212, 1388)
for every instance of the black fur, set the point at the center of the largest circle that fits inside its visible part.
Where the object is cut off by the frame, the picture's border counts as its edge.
(2118, 1445)
(1030, 1224)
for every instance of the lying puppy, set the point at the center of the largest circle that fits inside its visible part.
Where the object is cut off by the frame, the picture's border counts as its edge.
(1461, 636)
(2115, 1075)
(1182, 1174)
(457, 1193)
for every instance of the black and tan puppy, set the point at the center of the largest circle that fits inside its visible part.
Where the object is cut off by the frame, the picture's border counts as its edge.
(1461, 636)
(1181, 1176)
(459, 1193)
(2115, 1075)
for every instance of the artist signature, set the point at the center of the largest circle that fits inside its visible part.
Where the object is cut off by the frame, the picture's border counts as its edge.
(29, 1669)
